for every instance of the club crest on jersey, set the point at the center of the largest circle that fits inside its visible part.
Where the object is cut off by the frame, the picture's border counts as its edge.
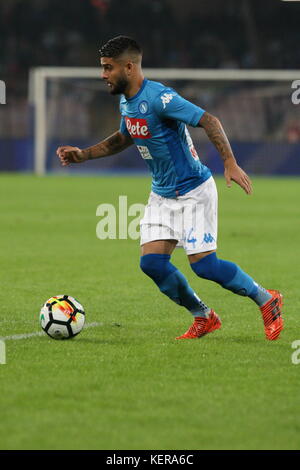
(166, 98)
(137, 128)
(143, 107)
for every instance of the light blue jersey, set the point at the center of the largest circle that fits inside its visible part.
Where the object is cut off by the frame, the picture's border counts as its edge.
(156, 119)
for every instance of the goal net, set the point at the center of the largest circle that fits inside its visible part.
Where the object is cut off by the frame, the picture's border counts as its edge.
(72, 106)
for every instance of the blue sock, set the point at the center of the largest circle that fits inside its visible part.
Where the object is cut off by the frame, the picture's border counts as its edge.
(230, 276)
(172, 283)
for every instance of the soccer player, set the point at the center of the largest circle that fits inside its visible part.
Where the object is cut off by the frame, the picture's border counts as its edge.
(182, 207)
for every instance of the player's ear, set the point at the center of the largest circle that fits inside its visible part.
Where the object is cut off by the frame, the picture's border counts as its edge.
(129, 68)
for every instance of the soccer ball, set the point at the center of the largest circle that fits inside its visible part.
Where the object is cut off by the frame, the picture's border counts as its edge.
(62, 317)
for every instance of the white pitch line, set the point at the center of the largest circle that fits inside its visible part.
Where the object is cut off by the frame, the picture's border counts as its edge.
(42, 333)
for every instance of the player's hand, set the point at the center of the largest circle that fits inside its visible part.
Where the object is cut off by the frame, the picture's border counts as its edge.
(68, 154)
(235, 173)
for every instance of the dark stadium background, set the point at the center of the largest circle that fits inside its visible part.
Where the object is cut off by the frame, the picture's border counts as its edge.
(241, 34)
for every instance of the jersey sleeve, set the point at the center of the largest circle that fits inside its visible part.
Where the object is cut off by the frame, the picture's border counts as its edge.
(170, 105)
(123, 128)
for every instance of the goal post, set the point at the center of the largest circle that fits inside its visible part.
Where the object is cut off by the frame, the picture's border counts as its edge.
(48, 87)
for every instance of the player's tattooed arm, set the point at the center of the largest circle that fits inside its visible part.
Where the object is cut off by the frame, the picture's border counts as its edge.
(109, 146)
(218, 137)
(113, 144)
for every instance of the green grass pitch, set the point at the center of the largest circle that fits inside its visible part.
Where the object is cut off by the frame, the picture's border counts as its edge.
(133, 386)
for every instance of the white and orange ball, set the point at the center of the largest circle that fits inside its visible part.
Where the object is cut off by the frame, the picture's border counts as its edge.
(62, 317)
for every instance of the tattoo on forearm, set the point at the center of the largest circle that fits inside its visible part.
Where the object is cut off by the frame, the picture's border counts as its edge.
(217, 136)
(113, 144)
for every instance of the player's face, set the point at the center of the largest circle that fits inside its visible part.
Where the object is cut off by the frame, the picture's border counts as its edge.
(114, 74)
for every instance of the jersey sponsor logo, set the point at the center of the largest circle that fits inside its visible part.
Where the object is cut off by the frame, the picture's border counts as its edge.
(143, 107)
(166, 98)
(144, 151)
(137, 128)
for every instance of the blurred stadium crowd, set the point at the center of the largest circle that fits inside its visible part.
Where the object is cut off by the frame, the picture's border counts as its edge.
(195, 33)
(203, 33)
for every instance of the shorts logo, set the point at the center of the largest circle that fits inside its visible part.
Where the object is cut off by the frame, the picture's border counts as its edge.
(208, 238)
(143, 107)
(166, 98)
(137, 128)
(190, 238)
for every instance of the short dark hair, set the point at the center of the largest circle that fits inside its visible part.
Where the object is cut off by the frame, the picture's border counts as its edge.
(118, 45)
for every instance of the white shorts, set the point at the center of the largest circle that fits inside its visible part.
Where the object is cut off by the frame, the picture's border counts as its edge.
(191, 219)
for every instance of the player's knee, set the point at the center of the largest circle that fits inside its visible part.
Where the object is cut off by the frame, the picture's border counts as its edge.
(147, 266)
(206, 267)
(212, 268)
(156, 266)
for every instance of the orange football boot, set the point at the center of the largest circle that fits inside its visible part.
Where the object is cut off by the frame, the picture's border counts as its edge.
(202, 326)
(272, 315)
